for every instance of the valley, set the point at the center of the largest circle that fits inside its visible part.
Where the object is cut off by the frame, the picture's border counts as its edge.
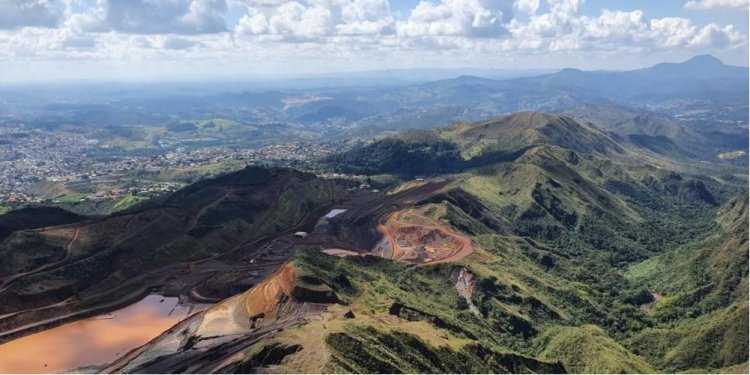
(524, 241)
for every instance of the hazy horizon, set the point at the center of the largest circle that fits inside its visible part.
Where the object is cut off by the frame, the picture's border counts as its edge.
(363, 78)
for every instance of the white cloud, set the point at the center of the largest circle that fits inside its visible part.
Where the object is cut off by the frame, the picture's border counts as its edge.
(716, 4)
(353, 32)
(299, 21)
(527, 6)
(205, 16)
(252, 23)
(316, 19)
(715, 36)
(564, 28)
(362, 17)
(623, 27)
(468, 18)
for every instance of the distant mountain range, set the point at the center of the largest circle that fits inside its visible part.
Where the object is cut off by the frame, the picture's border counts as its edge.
(700, 78)
(701, 83)
(613, 132)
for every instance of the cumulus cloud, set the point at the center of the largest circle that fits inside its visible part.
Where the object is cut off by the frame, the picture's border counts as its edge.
(433, 31)
(310, 20)
(716, 4)
(527, 6)
(564, 28)
(295, 19)
(469, 18)
(362, 17)
(20, 13)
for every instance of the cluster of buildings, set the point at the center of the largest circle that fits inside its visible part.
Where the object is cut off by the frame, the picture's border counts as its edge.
(290, 151)
(29, 157)
(148, 190)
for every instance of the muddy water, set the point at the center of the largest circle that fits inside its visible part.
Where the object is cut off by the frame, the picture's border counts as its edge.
(95, 341)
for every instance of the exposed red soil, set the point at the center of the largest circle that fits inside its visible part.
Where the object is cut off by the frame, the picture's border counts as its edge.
(423, 240)
(268, 295)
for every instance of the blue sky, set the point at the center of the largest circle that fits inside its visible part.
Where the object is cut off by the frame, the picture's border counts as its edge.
(45, 40)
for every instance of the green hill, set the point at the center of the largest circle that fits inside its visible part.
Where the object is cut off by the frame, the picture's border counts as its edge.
(34, 217)
(703, 291)
(465, 146)
(526, 129)
(662, 135)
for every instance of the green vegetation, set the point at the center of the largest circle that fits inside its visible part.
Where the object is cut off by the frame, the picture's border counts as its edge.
(704, 309)
(707, 342)
(30, 218)
(543, 301)
(431, 152)
(585, 261)
(367, 350)
(413, 154)
(127, 202)
(604, 266)
(25, 251)
(588, 349)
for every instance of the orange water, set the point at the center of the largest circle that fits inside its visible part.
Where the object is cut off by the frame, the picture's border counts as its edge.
(94, 341)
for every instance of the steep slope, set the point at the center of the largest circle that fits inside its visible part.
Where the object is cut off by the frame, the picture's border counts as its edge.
(118, 258)
(706, 275)
(551, 231)
(586, 204)
(588, 349)
(467, 146)
(285, 299)
(35, 217)
(660, 134)
(703, 293)
(526, 129)
(294, 321)
(409, 154)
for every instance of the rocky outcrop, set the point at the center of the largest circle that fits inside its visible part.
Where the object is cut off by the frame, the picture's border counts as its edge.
(463, 280)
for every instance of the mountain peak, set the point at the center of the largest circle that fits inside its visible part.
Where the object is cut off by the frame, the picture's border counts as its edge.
(570, 71)
(704, 60)
(698, 67)
(468, 76)
(533, 119)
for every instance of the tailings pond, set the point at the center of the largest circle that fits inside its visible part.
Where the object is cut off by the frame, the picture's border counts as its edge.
(94, 341)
